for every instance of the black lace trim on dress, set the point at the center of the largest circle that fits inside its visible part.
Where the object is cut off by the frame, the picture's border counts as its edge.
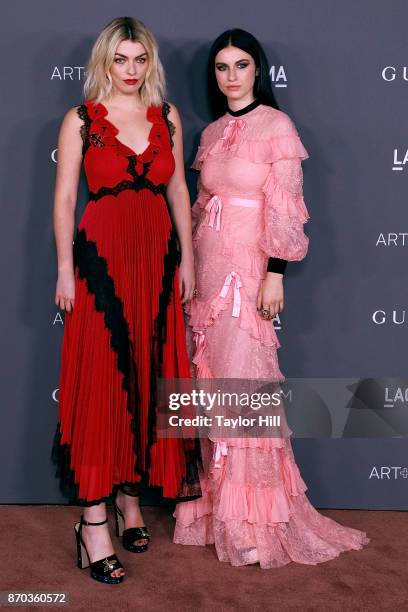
(139, 182)
(190, 487)
(82, 113)
(171, 261)
(61, 457)
(170, 125)
(94, 269)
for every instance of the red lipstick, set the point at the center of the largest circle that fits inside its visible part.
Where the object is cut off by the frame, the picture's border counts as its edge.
(131, 81)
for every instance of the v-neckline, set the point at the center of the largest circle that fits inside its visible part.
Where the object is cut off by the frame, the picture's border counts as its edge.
(133, 152)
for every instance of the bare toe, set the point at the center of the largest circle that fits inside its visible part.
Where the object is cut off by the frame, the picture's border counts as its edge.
(140, 542)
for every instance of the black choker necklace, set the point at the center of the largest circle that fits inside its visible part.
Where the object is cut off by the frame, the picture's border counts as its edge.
(246, 109)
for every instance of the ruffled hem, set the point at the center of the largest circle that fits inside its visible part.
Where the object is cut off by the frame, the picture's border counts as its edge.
(202, 315)
(282, 146)
(199, 358)
(260, 506)
(247, 502)
(188, 513)
(306, 536)
(271, 547)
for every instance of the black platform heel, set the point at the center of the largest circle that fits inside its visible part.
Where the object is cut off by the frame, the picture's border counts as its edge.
(133, 533)
(100, 570)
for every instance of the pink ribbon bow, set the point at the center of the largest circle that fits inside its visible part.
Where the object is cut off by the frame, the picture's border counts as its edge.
(231, 132)
(220, 450)
(214, 207)
(235, 279)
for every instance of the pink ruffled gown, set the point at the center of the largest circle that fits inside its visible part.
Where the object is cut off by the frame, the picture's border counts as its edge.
(249, 208)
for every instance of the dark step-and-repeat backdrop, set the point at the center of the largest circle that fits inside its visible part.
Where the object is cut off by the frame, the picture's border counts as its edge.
(339, 69)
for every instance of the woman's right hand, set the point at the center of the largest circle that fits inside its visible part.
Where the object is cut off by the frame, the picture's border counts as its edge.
(65, 291)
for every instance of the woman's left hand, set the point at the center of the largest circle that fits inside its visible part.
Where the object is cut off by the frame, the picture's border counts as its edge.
(270, 296)
(186, 279)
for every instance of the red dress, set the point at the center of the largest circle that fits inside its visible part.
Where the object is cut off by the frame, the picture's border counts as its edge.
(127, 326)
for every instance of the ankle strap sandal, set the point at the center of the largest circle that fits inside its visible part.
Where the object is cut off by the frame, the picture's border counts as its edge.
(131, 534)
(101, 569)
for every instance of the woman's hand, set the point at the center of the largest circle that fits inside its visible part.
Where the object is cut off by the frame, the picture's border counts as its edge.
(270, 296)
(65, 291)
(186, 279)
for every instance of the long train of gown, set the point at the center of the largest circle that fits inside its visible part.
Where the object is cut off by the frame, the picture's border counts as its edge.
(249, 207)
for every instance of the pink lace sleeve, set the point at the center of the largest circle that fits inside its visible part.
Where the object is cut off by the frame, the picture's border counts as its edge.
(285, 209)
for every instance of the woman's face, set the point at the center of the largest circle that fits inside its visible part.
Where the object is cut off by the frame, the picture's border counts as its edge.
(235, 72)
(129, 67)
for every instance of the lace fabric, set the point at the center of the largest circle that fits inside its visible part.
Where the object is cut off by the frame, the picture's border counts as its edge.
(140, 181)
(254, 509)
(82, 113)
(170, 125)
(254, 506)
(258, 155)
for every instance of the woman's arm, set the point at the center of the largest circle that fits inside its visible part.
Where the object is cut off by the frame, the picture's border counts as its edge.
(66, 189)
(179, 201)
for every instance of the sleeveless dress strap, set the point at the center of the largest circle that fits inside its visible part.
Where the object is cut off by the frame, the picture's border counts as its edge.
(170, 125)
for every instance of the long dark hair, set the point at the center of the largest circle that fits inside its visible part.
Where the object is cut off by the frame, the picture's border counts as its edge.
(248, 43)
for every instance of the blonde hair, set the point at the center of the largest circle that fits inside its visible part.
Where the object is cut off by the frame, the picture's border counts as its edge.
(98, 82)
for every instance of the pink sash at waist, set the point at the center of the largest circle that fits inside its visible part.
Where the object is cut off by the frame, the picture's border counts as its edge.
(237, 201)
(216, 202)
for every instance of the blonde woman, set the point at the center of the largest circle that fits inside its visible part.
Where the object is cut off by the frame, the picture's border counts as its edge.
(122, 283)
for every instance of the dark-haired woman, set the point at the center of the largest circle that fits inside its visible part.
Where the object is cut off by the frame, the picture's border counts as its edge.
(249, 218)
(122, 286)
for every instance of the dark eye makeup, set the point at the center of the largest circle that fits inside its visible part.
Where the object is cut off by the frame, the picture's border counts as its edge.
(242, 64)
